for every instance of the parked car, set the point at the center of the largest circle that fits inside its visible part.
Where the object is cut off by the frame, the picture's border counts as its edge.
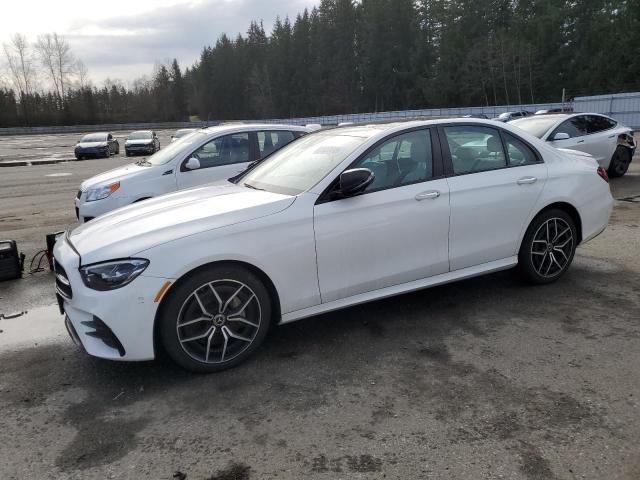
(337, 218)
(207, 155)
(475, 115)
(143, 142)
(181, 133)
(554, 110)
(96, 145)
(510, 116)
(611, 143)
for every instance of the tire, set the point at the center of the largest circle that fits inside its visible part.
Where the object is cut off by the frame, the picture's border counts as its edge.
(127, 154)
(619, 162)
(208, 321)
(541, 261)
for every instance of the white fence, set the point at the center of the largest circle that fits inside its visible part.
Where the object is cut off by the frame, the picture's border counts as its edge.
(624, 107)
(490, 112)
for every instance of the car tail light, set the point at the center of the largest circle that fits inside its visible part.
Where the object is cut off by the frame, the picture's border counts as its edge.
(603, 174)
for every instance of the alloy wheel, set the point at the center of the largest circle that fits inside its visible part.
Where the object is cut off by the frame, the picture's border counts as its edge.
(218, 321)
(552, 247)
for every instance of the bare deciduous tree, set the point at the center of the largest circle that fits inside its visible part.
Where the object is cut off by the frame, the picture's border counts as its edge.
(22, 69)
(58, 61)
(82, 74)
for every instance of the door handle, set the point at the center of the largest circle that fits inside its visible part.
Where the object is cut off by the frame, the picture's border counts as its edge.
(430, 195)
(611, 136)
(580, 141)
(527, 180)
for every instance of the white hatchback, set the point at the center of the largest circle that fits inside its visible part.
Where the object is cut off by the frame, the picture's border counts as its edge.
(337, 218)
(609, 142)
(205, 156)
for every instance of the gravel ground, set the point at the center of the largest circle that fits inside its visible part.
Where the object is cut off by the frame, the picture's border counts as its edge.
(485, 378)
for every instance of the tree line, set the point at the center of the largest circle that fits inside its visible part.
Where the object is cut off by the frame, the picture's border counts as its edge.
(346, 56)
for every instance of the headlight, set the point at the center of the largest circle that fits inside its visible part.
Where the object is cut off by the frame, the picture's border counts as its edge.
(98, 193)
(111, 275)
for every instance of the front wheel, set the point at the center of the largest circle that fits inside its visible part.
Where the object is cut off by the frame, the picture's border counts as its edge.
(548, 247)
(619, 162)
(215, 319)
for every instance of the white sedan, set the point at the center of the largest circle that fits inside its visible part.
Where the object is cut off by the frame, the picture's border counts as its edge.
(337, 218)
(611, 143)
(205, 156)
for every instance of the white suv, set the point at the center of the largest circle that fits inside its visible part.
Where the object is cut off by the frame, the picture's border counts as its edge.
(208, 155)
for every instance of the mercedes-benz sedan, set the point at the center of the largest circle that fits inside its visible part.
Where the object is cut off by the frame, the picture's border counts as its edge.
(337, 218)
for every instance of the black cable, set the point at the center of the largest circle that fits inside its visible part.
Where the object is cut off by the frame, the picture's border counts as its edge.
(40, 256)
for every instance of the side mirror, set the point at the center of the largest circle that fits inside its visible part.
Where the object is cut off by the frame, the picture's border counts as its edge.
(354, 181)
(192, 164)
(561, 136)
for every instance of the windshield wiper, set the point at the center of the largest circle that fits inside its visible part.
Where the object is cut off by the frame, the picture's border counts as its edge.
(248, 185)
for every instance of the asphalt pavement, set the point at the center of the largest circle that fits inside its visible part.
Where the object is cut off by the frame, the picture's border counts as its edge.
(481, 379)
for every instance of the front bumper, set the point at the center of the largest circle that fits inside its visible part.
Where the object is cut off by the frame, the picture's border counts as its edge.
(86, 211)
(138, 149)
(128, 313)
(92, 152)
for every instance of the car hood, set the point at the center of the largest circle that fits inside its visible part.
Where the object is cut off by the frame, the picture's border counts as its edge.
(115, 175)
(143, 141)
(91, 144)
(140, 226)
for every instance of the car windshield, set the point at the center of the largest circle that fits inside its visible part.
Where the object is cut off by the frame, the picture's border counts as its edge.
(94, 137)
(140, 136)
(301, 164)
(536, 126)
(161, 157)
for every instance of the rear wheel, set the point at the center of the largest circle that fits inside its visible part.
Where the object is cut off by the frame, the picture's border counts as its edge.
(619, 162)
(215, 319)
(548, 247)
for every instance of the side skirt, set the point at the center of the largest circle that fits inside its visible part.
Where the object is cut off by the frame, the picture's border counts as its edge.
(381, 293)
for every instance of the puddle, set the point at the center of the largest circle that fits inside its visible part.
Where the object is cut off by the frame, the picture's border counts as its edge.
(37, 326)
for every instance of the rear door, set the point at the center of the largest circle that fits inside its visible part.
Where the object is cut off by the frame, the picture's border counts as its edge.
(220, 158)
(494, 182)
(601, 139)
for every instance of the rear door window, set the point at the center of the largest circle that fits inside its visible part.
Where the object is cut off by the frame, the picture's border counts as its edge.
(596, 123)
(475, 149)
(518, 152)
(270, 141)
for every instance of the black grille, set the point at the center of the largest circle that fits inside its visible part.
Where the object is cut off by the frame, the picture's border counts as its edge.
(104, 333)
(62, 281)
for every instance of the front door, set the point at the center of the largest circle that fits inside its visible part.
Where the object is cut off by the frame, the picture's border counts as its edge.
(395, 232)
(221, 158)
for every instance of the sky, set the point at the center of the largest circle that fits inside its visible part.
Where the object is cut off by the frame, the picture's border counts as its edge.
(124, 39)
